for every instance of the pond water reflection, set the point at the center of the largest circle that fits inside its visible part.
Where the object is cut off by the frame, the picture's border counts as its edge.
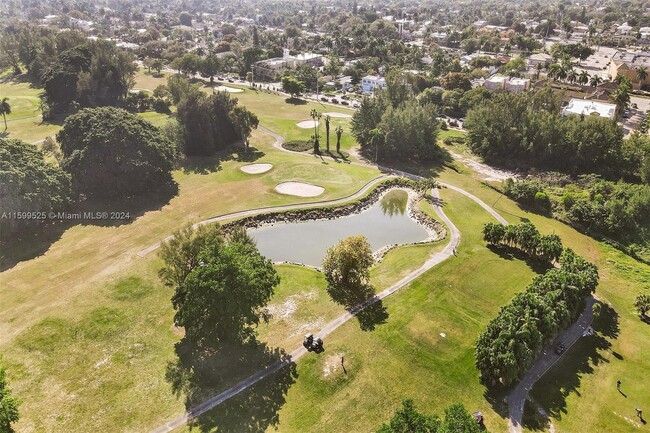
(385, 223)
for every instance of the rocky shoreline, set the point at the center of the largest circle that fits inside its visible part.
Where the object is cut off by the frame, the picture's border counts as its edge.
(436, 230)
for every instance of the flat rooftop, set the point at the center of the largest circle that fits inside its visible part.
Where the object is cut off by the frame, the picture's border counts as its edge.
(590, 108)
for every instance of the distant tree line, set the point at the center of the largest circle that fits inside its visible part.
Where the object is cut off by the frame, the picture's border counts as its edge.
(528, 130)
(617, 210)
(533, 319)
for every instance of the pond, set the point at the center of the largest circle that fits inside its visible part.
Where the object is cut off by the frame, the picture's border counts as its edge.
(385, 223)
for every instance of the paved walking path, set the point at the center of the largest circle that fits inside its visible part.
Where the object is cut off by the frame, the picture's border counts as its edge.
(544, 362)
(433, 260)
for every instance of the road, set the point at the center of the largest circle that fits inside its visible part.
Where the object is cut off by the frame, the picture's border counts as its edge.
(436, 258)
(544, 362)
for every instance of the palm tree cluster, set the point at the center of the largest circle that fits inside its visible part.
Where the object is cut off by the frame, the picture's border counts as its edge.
(534, 318)
(525, 237)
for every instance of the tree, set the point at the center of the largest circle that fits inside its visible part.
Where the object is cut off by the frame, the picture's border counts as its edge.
(221, 286)
(407, 419)
(244, 122)
(583, 78)
(5, 108)
(622, 95)
(157, 65)
(316, 116)
(292, 86)
(458, 420)
(642, 73)
(642, 304)
(327, 131)
(595, 80)
(29, 183)
(347, 270)
(112, 153)
(209, 67)
(185, 19)
(207, 122)
(456, 80)
(8, 405)
(339, 132)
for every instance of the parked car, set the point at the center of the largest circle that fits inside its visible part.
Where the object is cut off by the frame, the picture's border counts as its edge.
(324, 99)
(356, 104)
(559, 348)
(334, 101)
(345, 103)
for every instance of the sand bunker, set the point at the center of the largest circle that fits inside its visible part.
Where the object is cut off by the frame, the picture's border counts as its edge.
(228, 89)
(305, 124)
(256, 168)
(299, 189)
(335, 114)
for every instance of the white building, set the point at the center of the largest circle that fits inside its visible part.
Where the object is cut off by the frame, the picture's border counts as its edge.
(539, 59)
(589, 108)
(370, 82)
(501, 82)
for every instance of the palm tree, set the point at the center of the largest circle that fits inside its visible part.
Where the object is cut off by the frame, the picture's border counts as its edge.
(315, 115)
(642, 73)
(583, 78)
(622, 96)
(339, 132)
(571, 75)
(327, 131)
(5, 109)
(595, 80)
(553, 71)
(538, 69)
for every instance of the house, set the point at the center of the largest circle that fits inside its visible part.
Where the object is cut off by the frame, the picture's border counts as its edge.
(269, 69)
(627, 64)
(370, 82)
(585, 107)
(501, 82)
(539, 59)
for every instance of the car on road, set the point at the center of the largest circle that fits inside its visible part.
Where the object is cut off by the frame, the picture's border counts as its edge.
(560, 348)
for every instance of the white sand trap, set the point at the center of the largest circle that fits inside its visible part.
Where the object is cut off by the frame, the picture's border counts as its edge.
(305, 124)
(228, 89)
(256, 168)
(299, 189)
(335, 114)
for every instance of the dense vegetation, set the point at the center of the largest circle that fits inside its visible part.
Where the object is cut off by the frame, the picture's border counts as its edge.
(110, 152)
(28, 184)
(89, 75)
(8, 405)
(393, 126)
(527, 129)
(616, 210)
(534, 318)
(408, 419)
(211, 123)
(221, 284)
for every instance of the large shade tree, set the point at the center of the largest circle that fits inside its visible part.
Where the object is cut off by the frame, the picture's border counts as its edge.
(28, 184)
(347, 270)
(221, 285)
(112, 153)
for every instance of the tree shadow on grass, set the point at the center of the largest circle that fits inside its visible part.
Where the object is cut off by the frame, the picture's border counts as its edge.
(564, 378)
(201, 373)
(373, 315)
(509, 253)
(363, 303)
(212, 163)
(295, 101)
(430, 168)
(35, 238)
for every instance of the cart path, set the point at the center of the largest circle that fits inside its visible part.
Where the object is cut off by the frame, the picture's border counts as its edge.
(433, 260)
(544, 362)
